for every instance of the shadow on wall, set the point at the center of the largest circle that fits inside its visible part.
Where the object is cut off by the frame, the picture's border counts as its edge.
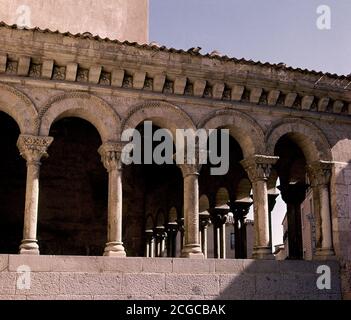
(280, 280)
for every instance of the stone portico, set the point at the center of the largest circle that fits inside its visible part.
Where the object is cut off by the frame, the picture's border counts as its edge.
(69, 99)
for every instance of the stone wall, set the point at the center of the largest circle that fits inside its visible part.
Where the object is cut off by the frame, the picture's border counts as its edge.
(95, 278)
(116, 19)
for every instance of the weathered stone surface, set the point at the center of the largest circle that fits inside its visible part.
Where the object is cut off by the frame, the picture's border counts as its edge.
(7, 283)
(90, 284)
(192, 284)
(4, 263)
(143, 284)
(162, 265)
(237, 286)
(193, 266)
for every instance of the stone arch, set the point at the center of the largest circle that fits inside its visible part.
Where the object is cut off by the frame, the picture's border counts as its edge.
(160, 218)
(18, 106)
(243, 189)
(163, 114)
(222, 197)
(82, 105)
(245, 130)
(204, 203)
(150, 223)
(173, 215)
(305, 134)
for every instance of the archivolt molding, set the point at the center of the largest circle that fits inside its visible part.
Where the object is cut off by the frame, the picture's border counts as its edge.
(164, 114)
(243, 128)
(82, 105)
(17, 105)
(305, 134)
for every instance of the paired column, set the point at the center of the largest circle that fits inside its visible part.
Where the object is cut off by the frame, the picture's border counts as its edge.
(172, 231)
(294, 194)
(205, 221)
(219, 216)
(111, 154)
(240, 210)
(320, 174)
(32, 149)
(192, 247)
(258, 168)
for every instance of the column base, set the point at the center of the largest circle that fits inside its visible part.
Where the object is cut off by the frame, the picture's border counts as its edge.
(324, 254)
(263, 253)
(192, 251)
(115, 249)
(30, 247)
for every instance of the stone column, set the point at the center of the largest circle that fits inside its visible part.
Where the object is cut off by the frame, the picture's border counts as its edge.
(204, 223)
(111, 157)
(219, 219)
(240, 210)
(272, 200)
(258, 168)
(192, 247)
(160, 241)
(32, 149)
(320, 173)
(149, 234)
(294, 194)
(172, 231)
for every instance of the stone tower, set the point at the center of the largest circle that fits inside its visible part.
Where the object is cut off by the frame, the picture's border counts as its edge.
(115, 19)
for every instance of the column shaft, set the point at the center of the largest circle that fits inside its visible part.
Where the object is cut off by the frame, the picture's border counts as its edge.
(33, 149)
(111, 156)
(192, 248)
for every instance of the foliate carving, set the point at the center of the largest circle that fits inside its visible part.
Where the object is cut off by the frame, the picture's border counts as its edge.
(227, 93)
(208, 92)
(11, 67)
(105, 78)
(319, 172)
(59, 73)
(33, 148)
(258, 167)
(35, 70)
(168, 88)
(189, 89)
(149, 84)
(111, 155)
(82, 75)
(128, 82)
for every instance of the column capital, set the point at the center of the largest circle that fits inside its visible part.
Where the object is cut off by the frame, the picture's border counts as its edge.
(190, 169)
(258, 167)
(319, 172)
(111, 155)
(33, 148)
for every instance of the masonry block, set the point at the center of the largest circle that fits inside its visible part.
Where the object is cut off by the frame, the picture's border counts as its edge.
(194, 265)
(192, 284)
(117, 77)
(139, 79)
(179, 85)
(71, 71)
(143, 284)
(23, 66)
(90, 283)
(159, 82)
(47, 69)
(94, 74)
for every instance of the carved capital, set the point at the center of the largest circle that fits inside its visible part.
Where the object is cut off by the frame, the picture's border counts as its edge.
(319, 172)
(258, 167)
(33, 148)
(190, 169)
(111, 155)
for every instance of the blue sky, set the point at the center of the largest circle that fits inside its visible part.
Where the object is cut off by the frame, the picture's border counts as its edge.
(270, 30)
(266, 30)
